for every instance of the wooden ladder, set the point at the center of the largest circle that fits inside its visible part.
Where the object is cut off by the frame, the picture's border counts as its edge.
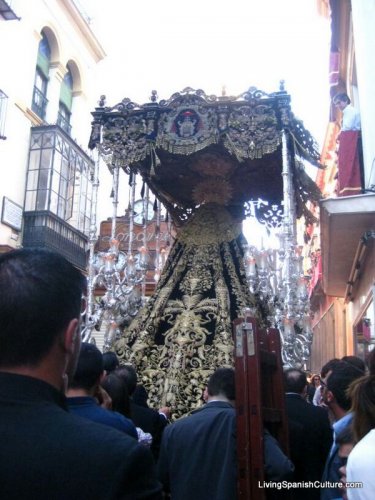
(259, 401)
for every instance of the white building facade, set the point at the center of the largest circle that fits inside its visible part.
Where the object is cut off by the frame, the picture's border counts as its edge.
(47, 69)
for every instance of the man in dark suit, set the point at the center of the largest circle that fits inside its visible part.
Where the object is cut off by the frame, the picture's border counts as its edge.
(197, 458)
(310, 434)
(46, 452)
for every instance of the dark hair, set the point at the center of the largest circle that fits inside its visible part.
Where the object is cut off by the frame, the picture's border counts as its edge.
(110, 361)
(222, 382)
(117, 390)
(355, 361)
(343, 97)
(371, 362)
(345, 436)
(140, 396)
(328, 367)
(40, 293)
(294, 380)
(129, 375)
(362, 394)
(338, 382)
(89, 367)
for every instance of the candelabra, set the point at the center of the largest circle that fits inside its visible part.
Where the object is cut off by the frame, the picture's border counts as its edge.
(118, 276)
(277, 276)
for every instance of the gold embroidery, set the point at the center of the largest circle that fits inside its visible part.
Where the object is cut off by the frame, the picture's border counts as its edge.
(184, 332)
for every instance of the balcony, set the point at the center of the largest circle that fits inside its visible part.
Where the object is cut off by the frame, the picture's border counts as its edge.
(344, 223)
(64, 123)
(39, 103)
(45, 229)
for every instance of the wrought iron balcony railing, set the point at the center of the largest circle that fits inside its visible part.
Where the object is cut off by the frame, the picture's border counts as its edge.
(45, 229)
(63, 123)
(39, 103)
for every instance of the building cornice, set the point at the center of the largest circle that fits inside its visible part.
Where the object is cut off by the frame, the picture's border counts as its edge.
(90, 39)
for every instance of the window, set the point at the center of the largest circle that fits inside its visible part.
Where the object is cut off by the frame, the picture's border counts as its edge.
(58, 177)
(65, 104)
(63, 118)
(40, 101)
(3, 110)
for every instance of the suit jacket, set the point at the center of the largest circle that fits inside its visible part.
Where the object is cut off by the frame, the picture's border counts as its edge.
(310, 439)
(48, 453)
(87, 407)
(197, 458)
(149, 421)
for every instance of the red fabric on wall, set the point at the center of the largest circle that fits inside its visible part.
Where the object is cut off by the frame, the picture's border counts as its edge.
(349, 176)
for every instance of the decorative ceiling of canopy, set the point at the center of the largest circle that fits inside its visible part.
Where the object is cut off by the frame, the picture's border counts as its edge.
(194, 149)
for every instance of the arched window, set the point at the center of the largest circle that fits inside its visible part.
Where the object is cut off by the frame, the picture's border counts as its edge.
(65, 102)
(39, 103)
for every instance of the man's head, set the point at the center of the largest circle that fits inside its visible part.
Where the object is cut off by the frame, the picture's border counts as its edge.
(355, 361)
(221, 385)
(118, 392)
(341, 100)
(128, 374)
(336, 385)
(295, 381)
(328, 367)
(40, 300)
(110, 361)
(89, 369)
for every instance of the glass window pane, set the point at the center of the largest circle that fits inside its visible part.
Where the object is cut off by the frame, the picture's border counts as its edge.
(32, 179)
(53, 203)
(83, 183)
(61, 207)
(46, 158)
(57, 162)
(36, 140)
(40, 82)
(30, 200)
(42, 200)
(69, 199)
(55, 182)
(44, 176)
(49, 139)
(34, 160)
(64, 168)
(63, 187)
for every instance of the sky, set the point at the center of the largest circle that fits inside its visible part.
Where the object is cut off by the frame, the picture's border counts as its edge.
(172, 44)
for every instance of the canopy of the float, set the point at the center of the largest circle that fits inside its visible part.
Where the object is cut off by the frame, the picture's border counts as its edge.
(194, 149)
(209, 160)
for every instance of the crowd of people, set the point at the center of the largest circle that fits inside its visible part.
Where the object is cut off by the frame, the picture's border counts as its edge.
(74, 424)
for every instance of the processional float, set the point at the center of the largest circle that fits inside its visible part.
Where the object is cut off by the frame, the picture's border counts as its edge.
(210, 161)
